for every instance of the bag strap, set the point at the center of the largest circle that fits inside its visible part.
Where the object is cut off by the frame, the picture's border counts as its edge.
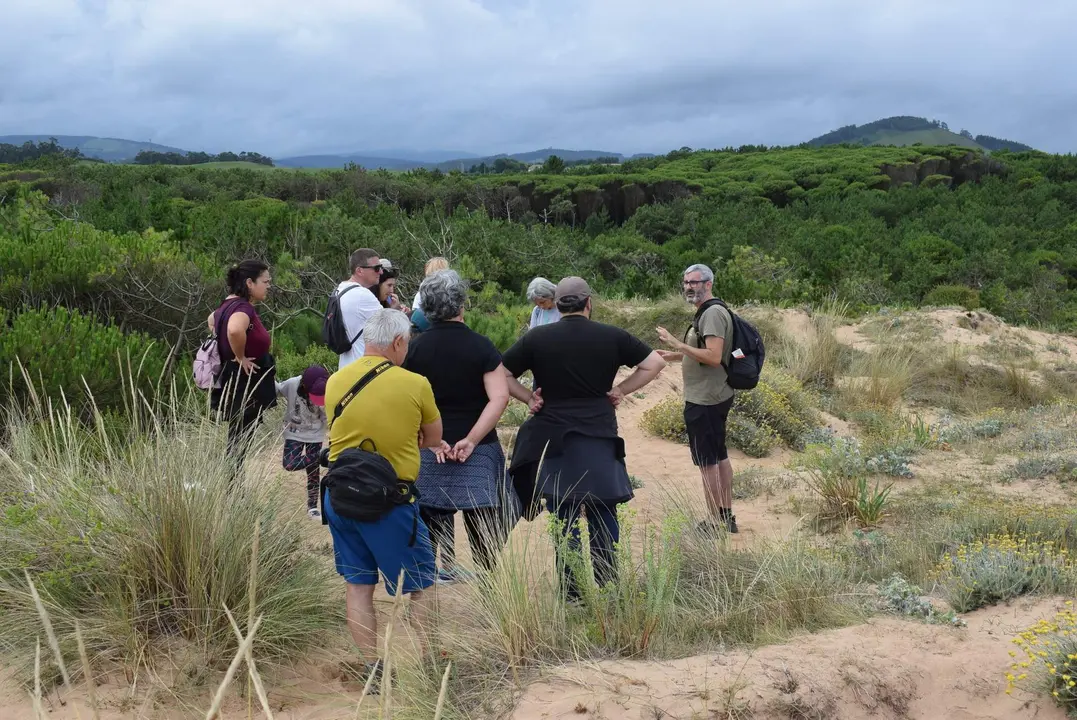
(357, 388)
(341, 294)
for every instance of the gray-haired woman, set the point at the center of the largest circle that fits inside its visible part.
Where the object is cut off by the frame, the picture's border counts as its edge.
(471, 391)
(541, 291)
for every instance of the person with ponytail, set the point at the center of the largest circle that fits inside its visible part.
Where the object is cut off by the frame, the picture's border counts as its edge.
(247, 386)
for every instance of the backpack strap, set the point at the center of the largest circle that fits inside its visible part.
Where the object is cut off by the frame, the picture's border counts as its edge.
(357, 388)
(708, 304)
(224, 312)
(341, 294)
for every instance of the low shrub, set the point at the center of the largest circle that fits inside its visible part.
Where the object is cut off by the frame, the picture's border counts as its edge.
(666, 420)
(753, 439)
(1040, 465)
(900, 597)
(1002, 567)
(776, 411)
(1050, 649)
(991, 426)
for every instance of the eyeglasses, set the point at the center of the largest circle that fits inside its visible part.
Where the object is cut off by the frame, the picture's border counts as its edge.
(693, 283)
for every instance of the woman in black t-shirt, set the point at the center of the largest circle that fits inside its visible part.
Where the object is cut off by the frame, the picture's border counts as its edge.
(471, 390)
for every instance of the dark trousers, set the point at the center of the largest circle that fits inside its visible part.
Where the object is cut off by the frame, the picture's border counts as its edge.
(604, 531)
(485, 532)
(241, 428)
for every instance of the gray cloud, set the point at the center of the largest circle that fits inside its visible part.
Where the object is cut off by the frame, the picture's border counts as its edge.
(286, 77)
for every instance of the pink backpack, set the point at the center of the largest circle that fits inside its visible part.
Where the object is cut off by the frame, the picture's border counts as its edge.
(207, 361)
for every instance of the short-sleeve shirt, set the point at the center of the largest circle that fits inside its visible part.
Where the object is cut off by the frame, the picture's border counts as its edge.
(258, 339)
(575, 358)
(704, 384)
(389, 412)
(541, 316)
(454, 358)
(356, 307)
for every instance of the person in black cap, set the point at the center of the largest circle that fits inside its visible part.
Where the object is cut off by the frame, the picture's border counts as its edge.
(304, 428)
(568, 452)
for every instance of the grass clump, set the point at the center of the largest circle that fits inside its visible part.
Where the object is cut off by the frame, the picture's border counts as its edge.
(1002, 567)
(135, 536)
(1050, 649)
(820, 359)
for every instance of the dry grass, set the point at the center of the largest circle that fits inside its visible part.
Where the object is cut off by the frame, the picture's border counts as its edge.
(818, 360)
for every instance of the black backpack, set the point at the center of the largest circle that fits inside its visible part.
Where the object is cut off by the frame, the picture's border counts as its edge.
(742, 373)
(334, 333)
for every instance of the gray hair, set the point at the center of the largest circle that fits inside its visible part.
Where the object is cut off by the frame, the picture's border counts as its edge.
(542, 288)
(443, 295)
(385, 326)
(706, 273)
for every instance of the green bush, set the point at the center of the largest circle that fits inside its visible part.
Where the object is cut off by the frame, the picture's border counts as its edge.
(752, 439)
(290, 364)
(777, 411)
(960, 295)
(66, 352)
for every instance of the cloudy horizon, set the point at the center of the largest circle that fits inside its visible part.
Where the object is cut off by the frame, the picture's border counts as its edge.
(490, 76)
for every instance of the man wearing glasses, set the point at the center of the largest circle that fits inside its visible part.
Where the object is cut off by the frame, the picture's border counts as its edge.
(704, 355)
(357, 301)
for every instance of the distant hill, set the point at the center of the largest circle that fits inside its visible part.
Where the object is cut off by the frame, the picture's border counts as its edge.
(372, 161)
(339, 161)
(110, 149)
(909, 130)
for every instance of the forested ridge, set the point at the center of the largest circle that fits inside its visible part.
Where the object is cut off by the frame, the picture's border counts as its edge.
(138, 252)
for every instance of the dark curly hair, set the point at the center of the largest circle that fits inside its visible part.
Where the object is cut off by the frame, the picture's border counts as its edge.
(240, 273)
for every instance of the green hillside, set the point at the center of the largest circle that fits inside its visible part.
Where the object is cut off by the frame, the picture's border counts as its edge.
(109, 149)
(908, 130)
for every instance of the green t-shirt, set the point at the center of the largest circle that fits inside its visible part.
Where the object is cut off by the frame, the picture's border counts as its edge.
(703, 384)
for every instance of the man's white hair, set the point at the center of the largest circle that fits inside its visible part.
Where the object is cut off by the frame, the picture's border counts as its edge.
(385, 326)
(706, 273)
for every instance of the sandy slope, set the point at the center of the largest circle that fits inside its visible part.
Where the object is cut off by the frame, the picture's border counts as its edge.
(887, 668)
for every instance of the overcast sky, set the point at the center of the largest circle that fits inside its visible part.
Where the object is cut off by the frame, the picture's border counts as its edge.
(287, 77)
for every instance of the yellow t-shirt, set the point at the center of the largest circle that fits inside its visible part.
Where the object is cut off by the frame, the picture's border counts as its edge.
(388, 411)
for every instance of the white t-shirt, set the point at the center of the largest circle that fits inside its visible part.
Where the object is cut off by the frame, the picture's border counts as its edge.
(356, 307)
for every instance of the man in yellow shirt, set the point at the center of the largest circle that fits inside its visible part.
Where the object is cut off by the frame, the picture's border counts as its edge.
(395, 414)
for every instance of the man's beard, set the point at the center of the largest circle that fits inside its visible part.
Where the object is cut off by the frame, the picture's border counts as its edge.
(691, 295)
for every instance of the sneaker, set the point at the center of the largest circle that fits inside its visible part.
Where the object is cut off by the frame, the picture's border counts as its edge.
(314, 513)
(731, 524)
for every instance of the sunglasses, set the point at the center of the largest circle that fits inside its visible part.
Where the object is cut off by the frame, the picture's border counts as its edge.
(379, 267)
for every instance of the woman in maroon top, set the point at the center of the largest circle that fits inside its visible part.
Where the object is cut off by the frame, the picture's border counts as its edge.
(247, 376)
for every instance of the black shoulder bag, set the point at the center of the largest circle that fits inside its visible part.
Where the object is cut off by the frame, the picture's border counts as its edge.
(362, 484)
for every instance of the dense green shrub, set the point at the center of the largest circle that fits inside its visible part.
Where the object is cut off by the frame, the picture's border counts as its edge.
(960, 295)
(63, 351)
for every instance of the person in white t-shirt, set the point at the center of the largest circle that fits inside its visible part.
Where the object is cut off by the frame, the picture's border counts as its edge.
(356, 306)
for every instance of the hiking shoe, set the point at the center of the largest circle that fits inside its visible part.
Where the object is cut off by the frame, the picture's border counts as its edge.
(314, 513)
(709, 527)
(731, 524)
(359, 672)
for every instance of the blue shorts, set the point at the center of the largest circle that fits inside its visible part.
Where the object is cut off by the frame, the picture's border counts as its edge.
(361, 549)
